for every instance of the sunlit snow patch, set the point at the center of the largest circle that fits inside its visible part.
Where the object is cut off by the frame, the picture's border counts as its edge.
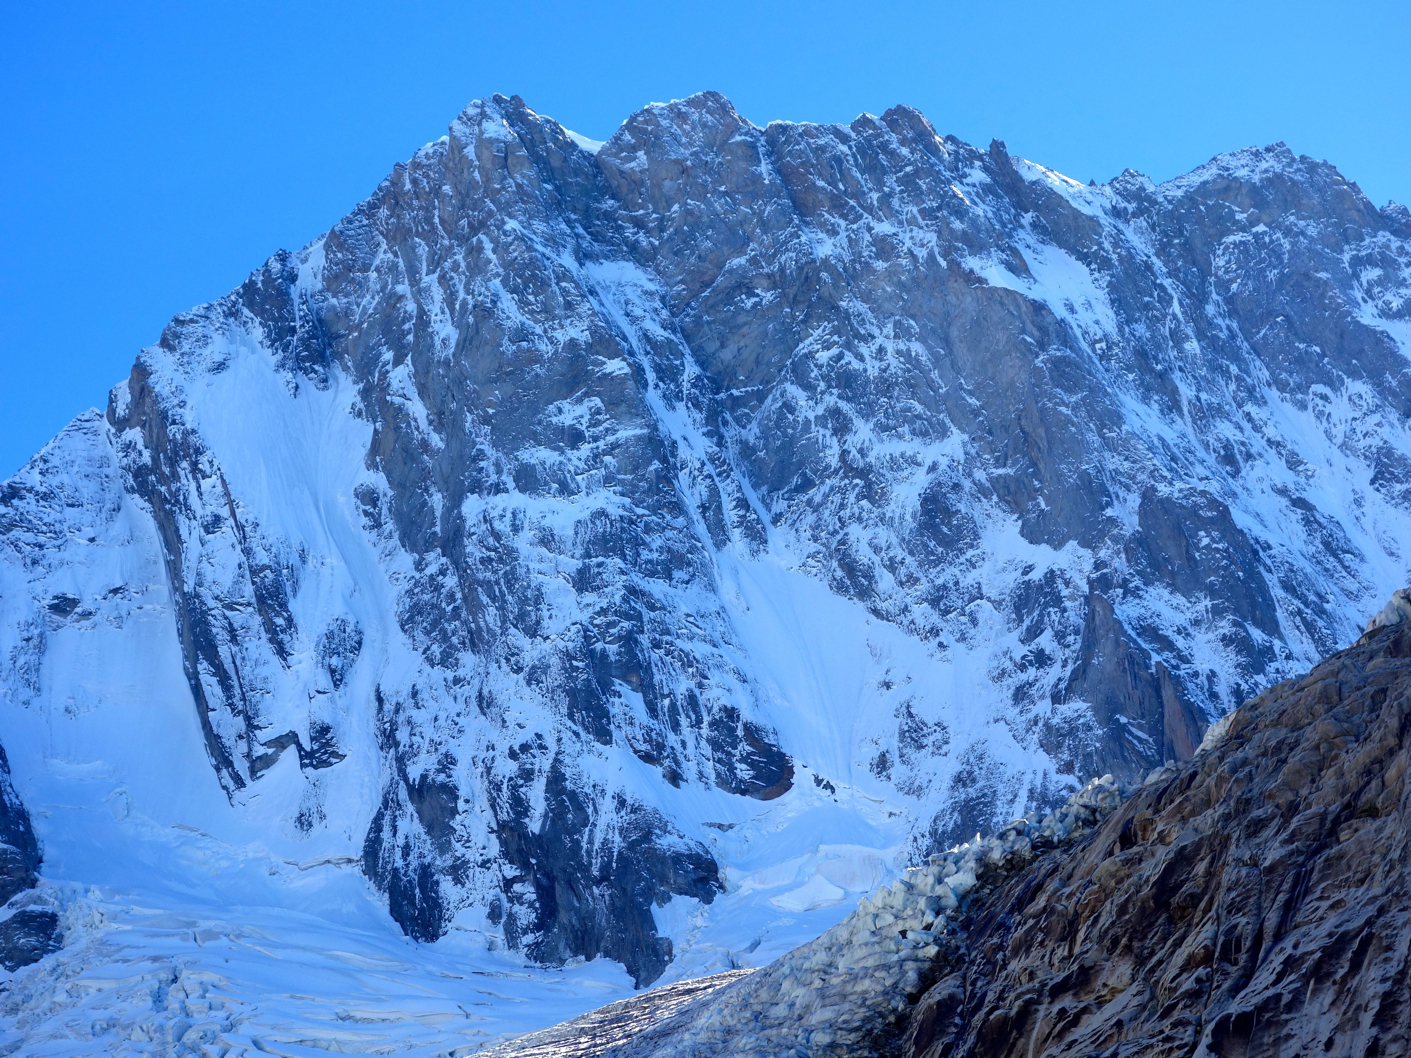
(591, 146)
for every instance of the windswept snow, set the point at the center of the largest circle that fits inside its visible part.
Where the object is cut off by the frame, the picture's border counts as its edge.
(591, 146)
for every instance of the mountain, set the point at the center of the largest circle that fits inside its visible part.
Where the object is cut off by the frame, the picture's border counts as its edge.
(1255, 901)
(642, 550)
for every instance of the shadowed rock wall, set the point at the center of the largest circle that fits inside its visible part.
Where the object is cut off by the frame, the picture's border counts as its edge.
(26, 933)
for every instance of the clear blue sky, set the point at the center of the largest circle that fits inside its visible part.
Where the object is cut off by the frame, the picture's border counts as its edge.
(152, 155)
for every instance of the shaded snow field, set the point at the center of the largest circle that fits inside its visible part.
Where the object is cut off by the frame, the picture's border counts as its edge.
(187, 922)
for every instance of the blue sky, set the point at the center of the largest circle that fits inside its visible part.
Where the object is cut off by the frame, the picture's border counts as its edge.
(152, 155)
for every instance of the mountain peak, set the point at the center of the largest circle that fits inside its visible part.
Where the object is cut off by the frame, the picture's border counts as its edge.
(565, 535)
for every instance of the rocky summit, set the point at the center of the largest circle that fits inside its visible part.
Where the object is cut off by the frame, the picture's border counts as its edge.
(645, 549)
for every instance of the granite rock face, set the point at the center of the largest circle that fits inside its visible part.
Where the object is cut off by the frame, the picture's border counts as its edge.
(452, 509)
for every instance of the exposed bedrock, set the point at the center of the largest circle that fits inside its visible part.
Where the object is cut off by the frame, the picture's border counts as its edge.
(1256, 901)
(26, 933)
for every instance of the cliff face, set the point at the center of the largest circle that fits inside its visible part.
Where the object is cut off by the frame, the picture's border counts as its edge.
(560, 509)
(1255, 902)
(26, 933)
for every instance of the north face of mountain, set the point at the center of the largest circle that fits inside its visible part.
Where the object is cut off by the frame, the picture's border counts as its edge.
(559, 511)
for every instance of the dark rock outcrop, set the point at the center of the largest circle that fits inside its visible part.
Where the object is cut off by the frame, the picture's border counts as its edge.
(27, 936)
(27, 933)
(19, 848)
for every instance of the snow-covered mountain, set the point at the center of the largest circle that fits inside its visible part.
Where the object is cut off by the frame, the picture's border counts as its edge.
(635, 549)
